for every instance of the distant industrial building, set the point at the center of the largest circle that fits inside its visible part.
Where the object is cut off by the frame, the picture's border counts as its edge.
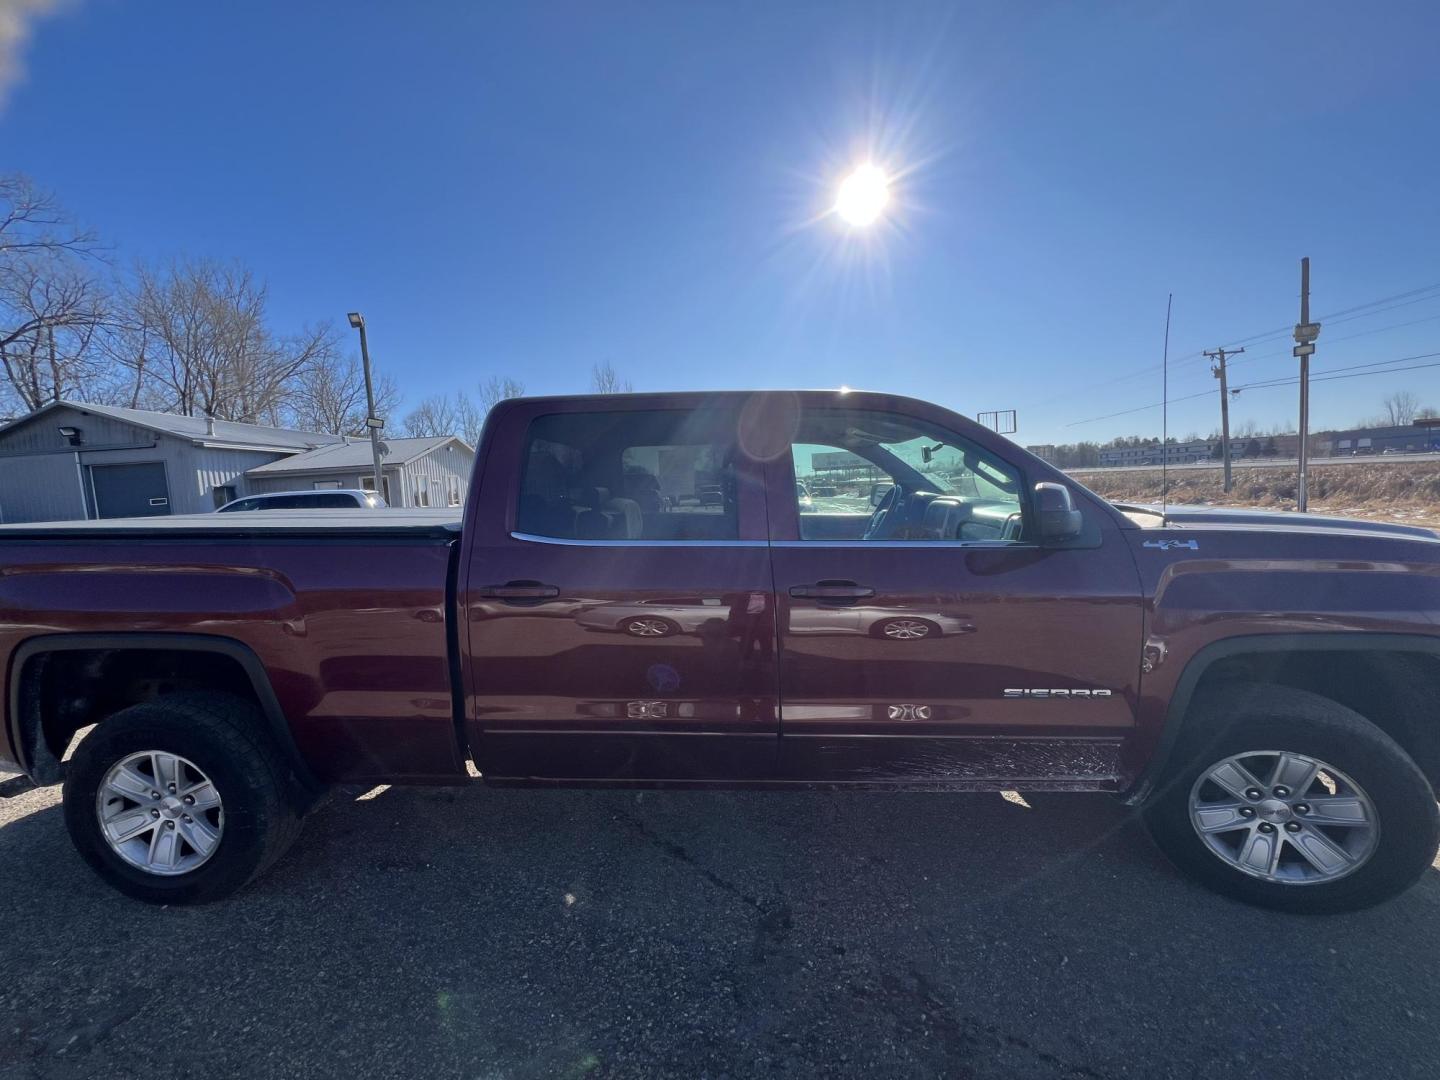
(1185, 453)
(1422, 435)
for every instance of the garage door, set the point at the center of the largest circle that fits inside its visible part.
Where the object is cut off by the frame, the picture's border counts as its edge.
(137, 490)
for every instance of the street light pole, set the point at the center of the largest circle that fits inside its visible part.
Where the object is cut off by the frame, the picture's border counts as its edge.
(1305, 334)
(373, 422)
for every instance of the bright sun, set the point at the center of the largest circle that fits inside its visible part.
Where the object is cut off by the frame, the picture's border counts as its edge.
(863, 195)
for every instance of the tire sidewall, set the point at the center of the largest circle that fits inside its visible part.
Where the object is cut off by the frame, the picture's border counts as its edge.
(1409, 824)
(249, 807)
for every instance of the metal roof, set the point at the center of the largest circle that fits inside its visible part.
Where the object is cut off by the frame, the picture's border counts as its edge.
(355, 454)
(197, 429)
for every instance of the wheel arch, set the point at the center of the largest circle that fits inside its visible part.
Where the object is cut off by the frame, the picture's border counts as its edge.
(39, 746)
(1390, 679)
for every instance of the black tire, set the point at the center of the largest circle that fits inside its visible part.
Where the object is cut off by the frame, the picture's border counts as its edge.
(225, 737)
(1253, 717)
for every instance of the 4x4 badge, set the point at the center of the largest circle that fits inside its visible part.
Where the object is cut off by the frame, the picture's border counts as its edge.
(1170, 545)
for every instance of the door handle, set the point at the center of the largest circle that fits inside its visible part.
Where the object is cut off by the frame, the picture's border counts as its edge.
(520, 590)
(832, 590)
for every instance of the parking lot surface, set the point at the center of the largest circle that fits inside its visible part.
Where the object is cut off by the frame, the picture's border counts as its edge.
(491, 933)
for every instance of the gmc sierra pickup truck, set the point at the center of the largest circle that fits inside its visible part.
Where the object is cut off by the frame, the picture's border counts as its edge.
(638, 593)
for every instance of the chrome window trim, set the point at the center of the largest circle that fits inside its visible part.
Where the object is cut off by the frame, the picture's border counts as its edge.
(864, 544)
(859, 545)
(567, 542)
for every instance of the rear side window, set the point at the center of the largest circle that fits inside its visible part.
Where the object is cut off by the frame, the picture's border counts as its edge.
(636, 475)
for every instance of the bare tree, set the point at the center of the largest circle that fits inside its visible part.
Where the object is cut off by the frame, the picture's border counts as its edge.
(209, 348)
(435, 415)
(497, 389)
(51, 303)
(32, 223)
(331, 397)
(459, 413)
(51, 314)
(605, 380)
(1400, 408)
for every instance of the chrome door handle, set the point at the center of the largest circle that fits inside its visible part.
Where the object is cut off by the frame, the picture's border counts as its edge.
(832, 590)
(519, 590)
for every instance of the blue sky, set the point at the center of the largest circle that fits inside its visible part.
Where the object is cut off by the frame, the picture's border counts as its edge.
(531, 189)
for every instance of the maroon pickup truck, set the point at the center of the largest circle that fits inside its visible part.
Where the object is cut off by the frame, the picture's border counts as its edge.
(770, 589)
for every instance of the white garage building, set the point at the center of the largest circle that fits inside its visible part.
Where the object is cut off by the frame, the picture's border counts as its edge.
(70, 460)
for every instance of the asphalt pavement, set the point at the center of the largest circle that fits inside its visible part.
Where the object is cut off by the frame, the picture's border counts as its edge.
(492, 933)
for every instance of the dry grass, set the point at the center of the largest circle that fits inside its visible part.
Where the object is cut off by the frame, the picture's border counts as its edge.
(1405, 492)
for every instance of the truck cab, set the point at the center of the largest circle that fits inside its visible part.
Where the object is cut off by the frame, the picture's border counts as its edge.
(788, 639)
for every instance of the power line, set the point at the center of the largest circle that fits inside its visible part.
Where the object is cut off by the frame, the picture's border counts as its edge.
(1346, 337)
(1379, 365)
(1265, 385)
(1357, 311)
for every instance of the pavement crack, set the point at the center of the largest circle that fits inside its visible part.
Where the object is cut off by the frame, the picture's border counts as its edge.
(681, 855)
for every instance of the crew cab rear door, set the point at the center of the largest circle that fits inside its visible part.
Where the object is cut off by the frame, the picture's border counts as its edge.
(617, 602)
(924, 633)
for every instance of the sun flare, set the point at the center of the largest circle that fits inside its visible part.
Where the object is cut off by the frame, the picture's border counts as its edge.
(863, 195)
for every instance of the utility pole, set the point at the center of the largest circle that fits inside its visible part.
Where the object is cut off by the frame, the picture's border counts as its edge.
(1305, 334)
(1218, 355)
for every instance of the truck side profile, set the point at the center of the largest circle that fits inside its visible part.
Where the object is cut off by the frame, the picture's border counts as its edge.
(769, 589)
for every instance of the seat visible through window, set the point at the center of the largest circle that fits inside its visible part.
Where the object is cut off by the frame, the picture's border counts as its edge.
(658, 475)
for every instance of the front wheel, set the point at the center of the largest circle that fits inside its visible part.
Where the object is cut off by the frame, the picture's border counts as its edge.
(1288, 800)
(180, 800)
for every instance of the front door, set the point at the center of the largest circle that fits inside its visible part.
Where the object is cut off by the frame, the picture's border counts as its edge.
(923, 632)
(133, 490)
(618, 601)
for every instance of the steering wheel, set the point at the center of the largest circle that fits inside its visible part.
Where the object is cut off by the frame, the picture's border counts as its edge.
(889, 507)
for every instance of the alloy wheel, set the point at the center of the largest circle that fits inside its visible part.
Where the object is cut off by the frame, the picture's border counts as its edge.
(648, 627)
(160, 813)
(906, 629)
(1284, 817)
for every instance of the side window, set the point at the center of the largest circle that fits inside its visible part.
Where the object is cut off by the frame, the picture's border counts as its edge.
(661, 475)
(880, 476)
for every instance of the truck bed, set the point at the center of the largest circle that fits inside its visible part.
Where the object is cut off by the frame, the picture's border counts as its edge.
(439, 524)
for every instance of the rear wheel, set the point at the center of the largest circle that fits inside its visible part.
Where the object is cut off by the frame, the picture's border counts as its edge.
(183, 799)
(1289, 800)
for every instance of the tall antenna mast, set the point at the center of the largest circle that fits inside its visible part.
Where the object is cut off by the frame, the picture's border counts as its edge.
(1165, 415)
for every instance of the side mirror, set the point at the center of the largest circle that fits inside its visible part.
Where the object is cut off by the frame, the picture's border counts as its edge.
(878, 493)
(1055, 509)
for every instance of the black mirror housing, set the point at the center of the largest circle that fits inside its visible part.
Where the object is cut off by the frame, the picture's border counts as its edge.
(1057, 518)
